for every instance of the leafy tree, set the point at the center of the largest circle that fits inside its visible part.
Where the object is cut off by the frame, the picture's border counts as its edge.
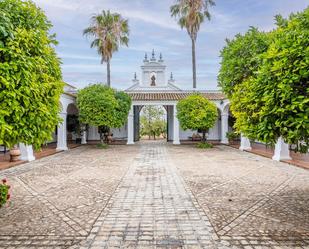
(101, 106)
(241, 58)
(274, 101)
(109, 31)
(192, 14)
(30, 75)
(123, 108)
(152, 123)
(197, 113)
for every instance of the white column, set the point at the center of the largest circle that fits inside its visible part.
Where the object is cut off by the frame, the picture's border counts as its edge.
(62, 133)
(131, 127)
(224, 128)
(282, 151)
(176, 140)
(245, 143)
(84, 137)
(26, 152)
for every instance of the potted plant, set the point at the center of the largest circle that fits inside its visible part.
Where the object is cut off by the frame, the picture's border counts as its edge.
(14, 154)
(232, 136)
(4, 192)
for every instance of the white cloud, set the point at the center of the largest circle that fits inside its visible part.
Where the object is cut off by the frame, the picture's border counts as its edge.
(78, 57)
(152, 28)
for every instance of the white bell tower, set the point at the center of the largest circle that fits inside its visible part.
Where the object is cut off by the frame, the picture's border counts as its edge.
(153, 76)
(153, 72)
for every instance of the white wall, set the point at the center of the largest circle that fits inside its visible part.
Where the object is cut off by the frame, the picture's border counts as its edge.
(120, 133)
(215, 132)
(185, 134)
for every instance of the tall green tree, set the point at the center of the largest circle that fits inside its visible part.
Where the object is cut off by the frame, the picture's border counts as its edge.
(30, 75)
(192, 14)
(197, 113)
(274, 101)
(123, 108)
(241, 58)
(152, 122)
(109, 31)
(102, 107)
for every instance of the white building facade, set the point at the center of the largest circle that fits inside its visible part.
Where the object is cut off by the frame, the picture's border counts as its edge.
(156, 89)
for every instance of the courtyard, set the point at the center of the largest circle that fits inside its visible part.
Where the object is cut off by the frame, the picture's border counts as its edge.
(156, 195)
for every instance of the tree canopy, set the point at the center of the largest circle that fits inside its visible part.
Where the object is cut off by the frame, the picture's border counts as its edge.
(152, 122)
(241, 58)
(273, 101)
(123, 108)
(30, 75)
(191, 14)
(109, 31)
(197, 113)
(101, 106)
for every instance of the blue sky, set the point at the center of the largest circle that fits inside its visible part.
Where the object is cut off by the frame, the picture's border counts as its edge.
(151, 27)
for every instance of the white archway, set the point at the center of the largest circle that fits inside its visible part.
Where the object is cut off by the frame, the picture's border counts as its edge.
(65, 101)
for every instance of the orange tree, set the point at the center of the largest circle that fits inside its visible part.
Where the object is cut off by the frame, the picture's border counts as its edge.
(197, 113)
(103, 107)
(273, 100)
(30, 75)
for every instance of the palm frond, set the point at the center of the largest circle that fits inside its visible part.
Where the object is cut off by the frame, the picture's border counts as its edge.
(191, 14)
(109, 31)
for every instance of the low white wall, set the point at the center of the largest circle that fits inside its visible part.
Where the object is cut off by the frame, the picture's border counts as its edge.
(215, 132)
(118, 133)
(185, 134)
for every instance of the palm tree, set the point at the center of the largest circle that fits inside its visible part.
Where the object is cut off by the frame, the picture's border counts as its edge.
(192, 14)
(109, 31)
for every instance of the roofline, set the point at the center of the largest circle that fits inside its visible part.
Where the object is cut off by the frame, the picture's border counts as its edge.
(70, 85)
(70, 94)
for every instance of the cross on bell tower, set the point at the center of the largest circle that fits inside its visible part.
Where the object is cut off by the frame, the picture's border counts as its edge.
(153, 57)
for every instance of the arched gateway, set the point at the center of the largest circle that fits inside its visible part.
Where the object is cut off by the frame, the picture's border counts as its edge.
(154, 89)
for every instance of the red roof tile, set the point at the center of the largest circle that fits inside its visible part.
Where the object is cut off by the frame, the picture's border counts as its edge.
(172, 96)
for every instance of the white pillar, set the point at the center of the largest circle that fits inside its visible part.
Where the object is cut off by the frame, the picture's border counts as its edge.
(245, 143)
(176, 140)
(84, 137)
(282, 151)
(26, 152)
(224, 128)
(62, 133)
(131, 127)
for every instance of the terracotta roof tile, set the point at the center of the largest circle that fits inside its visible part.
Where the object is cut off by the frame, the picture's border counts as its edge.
(172, 96)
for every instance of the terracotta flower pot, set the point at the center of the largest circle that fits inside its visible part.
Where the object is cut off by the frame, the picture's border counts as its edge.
(14, 154)
(109, 139)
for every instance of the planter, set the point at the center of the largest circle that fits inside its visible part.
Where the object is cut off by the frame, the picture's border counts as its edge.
(14, 154)
(109, 139)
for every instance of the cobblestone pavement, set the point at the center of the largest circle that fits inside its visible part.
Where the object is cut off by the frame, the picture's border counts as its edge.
(152, 209)
(251, 201)
(155, 195)
(56, 200)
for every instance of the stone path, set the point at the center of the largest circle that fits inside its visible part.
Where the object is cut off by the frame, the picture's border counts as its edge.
(251, 201)
(56, 200)
(152, 208)
(154, 195)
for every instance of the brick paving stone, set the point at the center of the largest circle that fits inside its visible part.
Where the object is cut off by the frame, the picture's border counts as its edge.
(152, 207)
(251, 201)
(155, 195)
(56, 200)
